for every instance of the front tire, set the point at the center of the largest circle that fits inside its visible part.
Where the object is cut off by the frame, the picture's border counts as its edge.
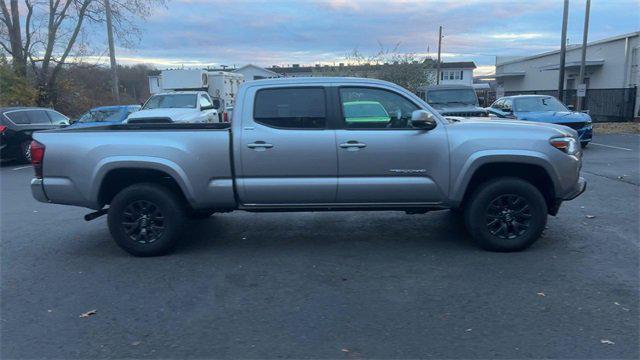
(146, 219)
(506, 214)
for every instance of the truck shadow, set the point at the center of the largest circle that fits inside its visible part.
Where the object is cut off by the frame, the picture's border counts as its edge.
(442, 230)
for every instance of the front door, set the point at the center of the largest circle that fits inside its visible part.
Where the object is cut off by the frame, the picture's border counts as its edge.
(288, 154)
(382, 159)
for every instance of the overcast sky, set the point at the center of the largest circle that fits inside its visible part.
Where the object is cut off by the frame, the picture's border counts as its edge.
(194, 33)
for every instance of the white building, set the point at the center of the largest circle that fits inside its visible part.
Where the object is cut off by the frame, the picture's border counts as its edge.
(253, 72)
(457, 73)
(611, 63)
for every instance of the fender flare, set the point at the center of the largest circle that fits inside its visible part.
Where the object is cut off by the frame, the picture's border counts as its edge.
(480, 158)
(111, 163)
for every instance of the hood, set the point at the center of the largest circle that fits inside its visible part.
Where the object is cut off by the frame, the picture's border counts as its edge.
(556, 117)
(174, 114)
(492, 124)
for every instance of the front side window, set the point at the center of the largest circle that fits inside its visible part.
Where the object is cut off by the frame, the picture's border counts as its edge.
(366, 108)
(171, 101)
(295, 108)
(205, 102)
(58, 118)
(539, 104)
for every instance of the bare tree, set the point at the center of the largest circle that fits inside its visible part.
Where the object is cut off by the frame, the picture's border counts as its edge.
(52, 31)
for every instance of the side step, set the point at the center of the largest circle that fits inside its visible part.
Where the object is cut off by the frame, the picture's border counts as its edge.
(95, 215)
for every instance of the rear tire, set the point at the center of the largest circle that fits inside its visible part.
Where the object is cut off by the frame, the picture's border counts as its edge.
(506, 214)
(584, 144)
(25, 152)
(146, 219)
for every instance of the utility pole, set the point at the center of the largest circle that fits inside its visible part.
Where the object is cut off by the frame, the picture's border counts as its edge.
(438, 63)
(563, 50)
(112, 53)
(583, 59)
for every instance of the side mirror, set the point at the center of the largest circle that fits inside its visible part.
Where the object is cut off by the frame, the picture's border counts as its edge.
(209, 107)
(422, 119)
(570, 107)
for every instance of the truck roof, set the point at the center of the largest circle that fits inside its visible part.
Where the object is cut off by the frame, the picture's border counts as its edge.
(318, 80)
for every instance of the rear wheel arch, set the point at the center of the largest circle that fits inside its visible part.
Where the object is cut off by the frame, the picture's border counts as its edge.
(115, 180)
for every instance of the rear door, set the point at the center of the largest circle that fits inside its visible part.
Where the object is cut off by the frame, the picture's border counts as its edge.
(382, 159)
(288, 153)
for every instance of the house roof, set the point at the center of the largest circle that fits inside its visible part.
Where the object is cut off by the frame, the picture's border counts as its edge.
(257, 67)
(458, 65)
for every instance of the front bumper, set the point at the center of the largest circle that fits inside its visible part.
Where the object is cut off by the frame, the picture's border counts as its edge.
(585, 134)
(580, 187)
(37, 190)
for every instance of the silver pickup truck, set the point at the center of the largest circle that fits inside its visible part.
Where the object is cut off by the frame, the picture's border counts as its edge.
(313, 144)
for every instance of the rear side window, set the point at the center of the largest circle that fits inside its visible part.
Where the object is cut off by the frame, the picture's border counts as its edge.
(38, 117)
(18, 117)
(295, 108)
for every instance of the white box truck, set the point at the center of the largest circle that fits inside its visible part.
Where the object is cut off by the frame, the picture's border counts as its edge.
(222, 86)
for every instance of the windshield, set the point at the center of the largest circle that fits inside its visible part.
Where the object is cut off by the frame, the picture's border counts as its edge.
(101, 115)
(539, 104)
(171, 101)
(462, 96)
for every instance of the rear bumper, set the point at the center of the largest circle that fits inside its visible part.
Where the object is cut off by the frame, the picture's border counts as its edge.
(580, 187)
(37, 190)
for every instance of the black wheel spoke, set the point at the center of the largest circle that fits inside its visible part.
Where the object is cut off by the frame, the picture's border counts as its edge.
(143, 221)
(508, 216)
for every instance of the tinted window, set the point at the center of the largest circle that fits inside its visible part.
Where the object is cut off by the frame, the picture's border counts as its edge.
(300, 108)
(18, 117)
(375, 108)
(102, 116)
(38, 117)
(453, 96)
(58, 118)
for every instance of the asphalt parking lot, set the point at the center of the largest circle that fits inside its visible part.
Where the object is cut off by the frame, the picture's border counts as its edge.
(328, 285)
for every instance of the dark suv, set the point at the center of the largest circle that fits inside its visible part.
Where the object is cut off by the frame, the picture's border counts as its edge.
(18, 123)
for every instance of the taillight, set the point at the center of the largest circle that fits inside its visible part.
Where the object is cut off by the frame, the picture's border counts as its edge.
(2, 129)
(37, 155)
(225, 116)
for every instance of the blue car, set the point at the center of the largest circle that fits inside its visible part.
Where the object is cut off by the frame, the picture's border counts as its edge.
(105, 115)
(543, 108)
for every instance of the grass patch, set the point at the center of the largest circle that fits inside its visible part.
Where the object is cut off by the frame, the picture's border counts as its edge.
(616, 127)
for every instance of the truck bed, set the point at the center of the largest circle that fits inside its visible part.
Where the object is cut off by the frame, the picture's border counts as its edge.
(196, 156)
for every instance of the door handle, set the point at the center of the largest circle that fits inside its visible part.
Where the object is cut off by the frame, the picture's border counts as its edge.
(259, 144)
(352, 144)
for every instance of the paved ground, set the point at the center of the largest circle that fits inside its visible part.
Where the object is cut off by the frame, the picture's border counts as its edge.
(328, 285)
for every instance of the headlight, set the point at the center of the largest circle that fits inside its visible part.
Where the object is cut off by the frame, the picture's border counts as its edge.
(565, 144)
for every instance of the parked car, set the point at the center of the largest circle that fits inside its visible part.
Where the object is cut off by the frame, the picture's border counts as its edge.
(290, 147)
(17, 124)
(543, 108)
(105, 115)
(177, 107)
(453, 100)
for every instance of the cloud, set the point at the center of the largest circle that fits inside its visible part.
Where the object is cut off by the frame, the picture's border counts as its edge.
(521, 36)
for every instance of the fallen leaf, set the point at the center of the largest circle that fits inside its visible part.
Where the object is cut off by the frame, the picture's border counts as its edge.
(136, 343)
(621, 177)
(542, 294)
(345, 350)
(590, 216)
(88, 313)
(49, 310)
(608, 342)
(616, 303)
(468, 330)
